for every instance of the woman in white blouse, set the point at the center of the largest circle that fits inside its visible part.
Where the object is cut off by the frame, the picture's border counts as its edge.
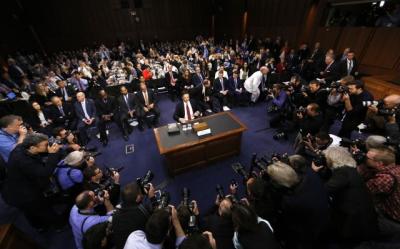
(244, 72)
(40, 121)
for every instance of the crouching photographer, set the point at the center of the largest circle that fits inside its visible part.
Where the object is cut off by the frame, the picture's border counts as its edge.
(383, 117)
(99, 182)
(382, 177)
(133, 212)
(353, 218)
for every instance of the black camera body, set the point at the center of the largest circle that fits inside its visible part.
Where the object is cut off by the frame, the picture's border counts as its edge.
(301, 110)
(220, 191)
(239, 169)
(144, 181)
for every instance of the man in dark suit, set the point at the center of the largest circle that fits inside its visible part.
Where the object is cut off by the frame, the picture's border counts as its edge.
(126, 110)
(105, 106)
(16, 73)
(62, 114)
(236, 90)
(204, 96)
(332, 71)
(146, 106)
(85, 110)
(186, 110)
(198, 77)
(171, 79)
(349, 66)
(64, 91)
(221, 90)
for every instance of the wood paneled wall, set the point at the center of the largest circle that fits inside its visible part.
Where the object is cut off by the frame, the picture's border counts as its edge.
(378, 49)
(76, 23)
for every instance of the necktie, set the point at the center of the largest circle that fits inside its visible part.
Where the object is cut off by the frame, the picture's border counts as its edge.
(65, 93)
(349, 67)
(188, 112)
(235, 83)
(222, 84)
(61, 111)
(201, 78)
(80, 85)
(146, 100)
(127, 102)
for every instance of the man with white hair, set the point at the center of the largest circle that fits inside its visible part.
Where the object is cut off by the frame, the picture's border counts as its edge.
(254, 81)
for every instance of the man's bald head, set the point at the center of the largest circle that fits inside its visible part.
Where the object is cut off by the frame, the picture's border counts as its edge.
(264, 70)
(84, 199)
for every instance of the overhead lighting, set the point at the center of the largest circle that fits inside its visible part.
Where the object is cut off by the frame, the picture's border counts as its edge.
(381, 3)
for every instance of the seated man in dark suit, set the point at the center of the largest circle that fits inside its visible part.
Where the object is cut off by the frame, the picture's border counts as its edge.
(64, 91)
(85, 110)
(62, 114)
(126, 110)
(237, 91)
(105, 106)
(221, 90)
(331, 71)
(172, 83)
(204, 96)
(349, 66)
(198, 77)
(146, 105)
(186, 110)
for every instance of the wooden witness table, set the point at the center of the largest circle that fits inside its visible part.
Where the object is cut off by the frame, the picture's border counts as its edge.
(186, 150)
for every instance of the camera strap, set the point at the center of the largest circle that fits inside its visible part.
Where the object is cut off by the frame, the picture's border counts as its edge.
(83, 224)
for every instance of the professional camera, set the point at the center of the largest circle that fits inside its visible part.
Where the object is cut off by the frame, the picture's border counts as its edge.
(145, 181)
(359, 155)
(163, 200)
(371, 103)
(186, 199)
(111, 171)
(220, 191)
(239, 169)
(301, 110)
(388, 111)
(319, 159)
(274, 157)
(339, 87)
(304, 89)
(105, 186)
(53, 140)
(280, 135)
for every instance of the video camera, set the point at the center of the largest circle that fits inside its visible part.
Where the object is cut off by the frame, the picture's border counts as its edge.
(145, 181)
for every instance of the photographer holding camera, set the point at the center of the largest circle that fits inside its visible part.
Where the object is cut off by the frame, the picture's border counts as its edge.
(133, 213)
(98, 182)
(355, 110)
(218, 221)
(12, 133)
(302, 208)
(28, 180)
(83, 216)
(382, 177)
(353, 217)
(67, 139)
(314, 93)
(156, 231)
(335, 105)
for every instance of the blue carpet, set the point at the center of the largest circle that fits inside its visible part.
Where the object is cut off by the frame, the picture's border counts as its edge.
(201, 182)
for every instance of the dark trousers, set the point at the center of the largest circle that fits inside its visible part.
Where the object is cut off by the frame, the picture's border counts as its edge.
(83, 127)
(143, 116)
(213, 104)
(173, 91)
(349, 124)
(124, 124)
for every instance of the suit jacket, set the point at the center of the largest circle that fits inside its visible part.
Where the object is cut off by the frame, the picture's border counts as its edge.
(197, 93)
(196, 80)
(353, 212)
(70, 92)
(14, 73)
(140, 98)
(123, 107)
(231, 84)
(180, 109)
(168, 77)
(332, 73)
(103, 108)
(55, 114)
(90, 109)
(343, 68)
(217, 85)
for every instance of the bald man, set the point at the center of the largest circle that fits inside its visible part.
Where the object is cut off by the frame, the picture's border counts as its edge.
(253, 83)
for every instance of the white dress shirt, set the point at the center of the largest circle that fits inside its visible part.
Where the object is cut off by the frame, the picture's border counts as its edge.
(83, 103)
(185, 104)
